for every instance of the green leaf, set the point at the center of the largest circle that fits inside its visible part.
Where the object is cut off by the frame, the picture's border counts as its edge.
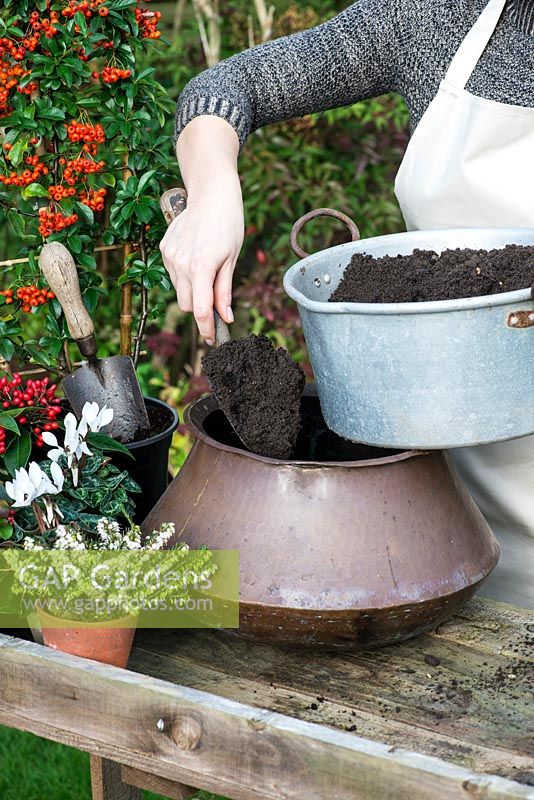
(7, 349)
(75, 243)
(18, 452)
(103, 442)
(16, 154)
(9, 424)
(108, 179)
(80, 21)
(52, 114)
(145, 180)
(128, 210)
(16, 221)
(34, 190)
(6, 531)
(85, 212)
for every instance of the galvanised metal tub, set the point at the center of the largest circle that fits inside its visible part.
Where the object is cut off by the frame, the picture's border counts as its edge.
(443, 374)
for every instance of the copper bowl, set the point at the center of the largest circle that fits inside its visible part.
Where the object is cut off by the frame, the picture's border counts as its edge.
(343, 547)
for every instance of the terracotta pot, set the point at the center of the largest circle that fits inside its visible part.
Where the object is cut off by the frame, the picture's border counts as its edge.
(345, 546)
(108, 645)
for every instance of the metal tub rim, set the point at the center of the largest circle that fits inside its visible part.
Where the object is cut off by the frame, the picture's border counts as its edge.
(425, 307)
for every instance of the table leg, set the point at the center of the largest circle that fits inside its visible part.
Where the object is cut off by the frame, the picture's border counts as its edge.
(106, 781)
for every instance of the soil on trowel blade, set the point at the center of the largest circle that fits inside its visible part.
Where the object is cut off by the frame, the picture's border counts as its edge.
(424, 275)
(259, 389)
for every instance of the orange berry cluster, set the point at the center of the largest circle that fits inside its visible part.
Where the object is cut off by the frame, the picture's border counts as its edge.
(112, 74)
(80, 166)
(8, 48)
(148, 23)
(41, 26)
(52, 221)
(87, 8)
(33, 297)
(9, 78)
(29, 296)
(58, 192)
(27, 176)
(95, 199)
(28, 89)
(90, 134)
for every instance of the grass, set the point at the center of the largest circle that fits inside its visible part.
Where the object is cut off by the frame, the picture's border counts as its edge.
(35, 769)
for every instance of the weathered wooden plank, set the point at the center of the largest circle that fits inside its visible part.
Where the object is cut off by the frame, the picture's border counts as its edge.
(477, 698)
(213, 743)
(312, 707)
(107, 783)
(492, 627)
(153, 783)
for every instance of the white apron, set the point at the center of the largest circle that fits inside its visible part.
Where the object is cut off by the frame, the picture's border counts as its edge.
(470, 163)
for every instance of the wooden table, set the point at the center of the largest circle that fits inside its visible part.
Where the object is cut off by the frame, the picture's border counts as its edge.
(448, 715)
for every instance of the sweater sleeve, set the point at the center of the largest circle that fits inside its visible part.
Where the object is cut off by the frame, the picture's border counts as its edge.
(349, 58)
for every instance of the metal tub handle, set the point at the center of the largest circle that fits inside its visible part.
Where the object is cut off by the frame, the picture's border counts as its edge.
(320, 212)
(522, 319)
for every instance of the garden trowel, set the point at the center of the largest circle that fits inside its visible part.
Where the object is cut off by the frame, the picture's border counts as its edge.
(257, 386)
(107, 381)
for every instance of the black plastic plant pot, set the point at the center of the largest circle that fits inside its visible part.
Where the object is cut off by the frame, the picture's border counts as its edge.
(151, 466)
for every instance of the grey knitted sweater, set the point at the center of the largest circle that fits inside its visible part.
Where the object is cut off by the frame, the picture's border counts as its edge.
(373, 47)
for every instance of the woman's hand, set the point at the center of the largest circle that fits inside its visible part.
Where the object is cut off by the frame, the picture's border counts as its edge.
(201, 246)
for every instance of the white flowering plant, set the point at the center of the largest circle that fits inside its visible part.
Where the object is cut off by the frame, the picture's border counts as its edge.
(73, 511)
(76, 485)
(112, 572)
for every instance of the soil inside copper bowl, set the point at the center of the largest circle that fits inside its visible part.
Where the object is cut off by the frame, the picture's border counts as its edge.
(315, 441)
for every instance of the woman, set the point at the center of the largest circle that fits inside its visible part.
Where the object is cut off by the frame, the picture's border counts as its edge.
(466, 71)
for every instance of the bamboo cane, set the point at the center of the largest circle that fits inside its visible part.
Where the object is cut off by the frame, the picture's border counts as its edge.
(12, 262)
(126, 318)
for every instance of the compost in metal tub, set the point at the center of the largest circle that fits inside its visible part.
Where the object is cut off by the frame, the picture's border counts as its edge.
(439, 374)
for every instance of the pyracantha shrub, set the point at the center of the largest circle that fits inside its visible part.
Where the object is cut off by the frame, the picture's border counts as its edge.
(83, 154)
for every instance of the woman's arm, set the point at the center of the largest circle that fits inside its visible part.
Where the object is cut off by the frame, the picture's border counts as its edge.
(349, 58)
(201, 246)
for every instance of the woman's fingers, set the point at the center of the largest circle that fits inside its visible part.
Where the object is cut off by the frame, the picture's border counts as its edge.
(169, 250)
(184, 293)
(202, 286)
(222, 291)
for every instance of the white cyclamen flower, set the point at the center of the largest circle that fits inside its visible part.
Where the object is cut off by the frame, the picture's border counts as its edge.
(94, 418)
(74, 445)
(30, 484)
(58, 477)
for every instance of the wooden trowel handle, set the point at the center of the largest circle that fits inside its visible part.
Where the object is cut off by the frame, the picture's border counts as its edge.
(59, 269)
(172, 203)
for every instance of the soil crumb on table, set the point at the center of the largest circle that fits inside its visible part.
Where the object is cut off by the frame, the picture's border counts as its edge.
(424, 275)
(259, 389)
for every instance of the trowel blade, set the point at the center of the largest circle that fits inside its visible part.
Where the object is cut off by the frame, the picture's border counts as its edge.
(112, 382)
